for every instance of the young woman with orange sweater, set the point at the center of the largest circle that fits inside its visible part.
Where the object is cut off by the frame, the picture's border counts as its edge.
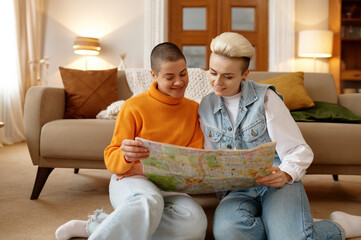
(141, 209)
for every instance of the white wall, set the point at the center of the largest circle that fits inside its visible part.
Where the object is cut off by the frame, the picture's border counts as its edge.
(119, 25)
(311, 15)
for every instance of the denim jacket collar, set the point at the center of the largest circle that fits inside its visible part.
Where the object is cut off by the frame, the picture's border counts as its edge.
(248, 96)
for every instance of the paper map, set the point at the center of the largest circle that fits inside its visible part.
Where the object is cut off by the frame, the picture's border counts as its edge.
(190, 170)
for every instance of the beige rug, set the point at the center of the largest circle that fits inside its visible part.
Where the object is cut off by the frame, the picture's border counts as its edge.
(73, 196)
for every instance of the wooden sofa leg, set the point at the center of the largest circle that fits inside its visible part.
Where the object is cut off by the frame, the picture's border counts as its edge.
(335, 177)
(41, 177)
(76, 170)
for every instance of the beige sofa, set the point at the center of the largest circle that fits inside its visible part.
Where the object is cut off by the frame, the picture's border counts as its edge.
(55, 142)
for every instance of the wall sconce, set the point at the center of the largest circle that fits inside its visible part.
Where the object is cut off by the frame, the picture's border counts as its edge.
(86, 46)
(315, 44)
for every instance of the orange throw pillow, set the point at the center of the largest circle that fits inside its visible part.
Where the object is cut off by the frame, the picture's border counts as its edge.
(88, 92)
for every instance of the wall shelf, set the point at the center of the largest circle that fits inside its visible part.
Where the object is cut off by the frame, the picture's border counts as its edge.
(351, 20)
(351, 75)
(356, 40)
(345, 22)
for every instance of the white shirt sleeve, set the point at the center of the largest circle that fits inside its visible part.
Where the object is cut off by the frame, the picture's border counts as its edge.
(295, 155)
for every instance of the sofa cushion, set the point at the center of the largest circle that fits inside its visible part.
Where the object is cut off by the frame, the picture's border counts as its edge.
(139, 80)
(291, 86)
(76, 138)
(325, 112)
(319, 86)
(88, 92)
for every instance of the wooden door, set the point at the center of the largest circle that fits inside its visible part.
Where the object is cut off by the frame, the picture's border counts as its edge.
(194, 23)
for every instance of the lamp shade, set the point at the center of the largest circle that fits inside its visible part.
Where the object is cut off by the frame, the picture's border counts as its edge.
(315, 43)
(86, 46)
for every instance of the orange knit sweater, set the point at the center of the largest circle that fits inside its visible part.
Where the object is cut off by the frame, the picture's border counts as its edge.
(154, 116)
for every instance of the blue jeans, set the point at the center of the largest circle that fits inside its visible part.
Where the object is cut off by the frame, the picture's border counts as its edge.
(271, 213)
(141, 212)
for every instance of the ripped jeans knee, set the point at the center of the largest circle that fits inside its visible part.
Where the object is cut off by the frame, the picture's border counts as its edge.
(236, 219)
(95, 220)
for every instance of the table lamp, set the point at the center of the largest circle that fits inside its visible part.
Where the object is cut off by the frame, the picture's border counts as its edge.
(86, 46)
(315, 44)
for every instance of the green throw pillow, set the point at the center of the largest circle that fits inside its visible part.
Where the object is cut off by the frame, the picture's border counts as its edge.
(325, 112)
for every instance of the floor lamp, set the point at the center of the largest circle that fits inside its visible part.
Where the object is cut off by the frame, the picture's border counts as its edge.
(86, 46)
(315, 44)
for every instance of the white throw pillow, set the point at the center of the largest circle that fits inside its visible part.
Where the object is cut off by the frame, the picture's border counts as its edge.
(139, 80)
(198, 85)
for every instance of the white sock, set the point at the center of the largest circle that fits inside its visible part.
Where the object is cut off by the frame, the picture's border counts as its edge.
(316, 220)
(350, 223)
(73, 228)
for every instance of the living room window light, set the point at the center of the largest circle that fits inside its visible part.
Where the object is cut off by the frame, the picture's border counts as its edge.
(10, 98)
(9, 59)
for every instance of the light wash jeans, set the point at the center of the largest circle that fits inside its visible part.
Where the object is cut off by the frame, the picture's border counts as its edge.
(271, 213)
(141, 212)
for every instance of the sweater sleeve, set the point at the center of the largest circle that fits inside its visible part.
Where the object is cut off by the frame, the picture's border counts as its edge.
(125, 128)
(197, 138)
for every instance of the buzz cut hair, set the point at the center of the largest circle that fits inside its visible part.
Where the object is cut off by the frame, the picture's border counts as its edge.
(164, 52)
(233, 45)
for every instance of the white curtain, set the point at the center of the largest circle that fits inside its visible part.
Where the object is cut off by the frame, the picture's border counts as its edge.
(281, 36)
(22, 22)
(10, 94)
(155, 26)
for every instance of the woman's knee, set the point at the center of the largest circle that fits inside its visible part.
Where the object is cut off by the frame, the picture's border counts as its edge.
(196, 228)
(187, 217)
(231, 219)
(197, 225)
(132, 189)
(223, 226)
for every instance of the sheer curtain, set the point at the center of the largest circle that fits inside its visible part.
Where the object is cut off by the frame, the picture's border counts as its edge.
(281, 36)
(155, 26)
(22, 21)
(31, 20)
(11, 112)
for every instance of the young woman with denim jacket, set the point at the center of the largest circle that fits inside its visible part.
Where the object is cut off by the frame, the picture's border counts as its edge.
(241, 114)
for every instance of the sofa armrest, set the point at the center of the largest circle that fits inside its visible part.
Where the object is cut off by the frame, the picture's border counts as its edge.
(351, 101)
(42, 105)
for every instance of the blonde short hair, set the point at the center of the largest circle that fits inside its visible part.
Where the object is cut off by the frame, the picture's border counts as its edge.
(231, 44)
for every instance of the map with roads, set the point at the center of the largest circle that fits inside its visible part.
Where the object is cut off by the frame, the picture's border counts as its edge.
(190, 170)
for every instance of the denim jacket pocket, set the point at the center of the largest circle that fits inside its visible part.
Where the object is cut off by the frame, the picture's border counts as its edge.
(213, 135)
(255, 130)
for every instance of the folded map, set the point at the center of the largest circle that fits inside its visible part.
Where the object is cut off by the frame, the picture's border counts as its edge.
(191, 170)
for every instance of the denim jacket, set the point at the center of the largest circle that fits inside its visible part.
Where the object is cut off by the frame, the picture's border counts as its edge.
(250, 127)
